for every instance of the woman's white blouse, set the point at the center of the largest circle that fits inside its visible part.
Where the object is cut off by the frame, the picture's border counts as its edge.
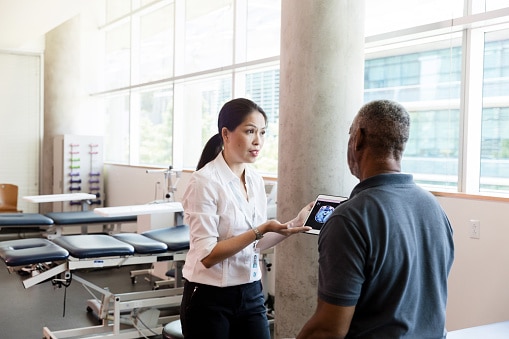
(215, 209)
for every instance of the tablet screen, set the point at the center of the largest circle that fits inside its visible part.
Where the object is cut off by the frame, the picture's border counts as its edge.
(321, 211)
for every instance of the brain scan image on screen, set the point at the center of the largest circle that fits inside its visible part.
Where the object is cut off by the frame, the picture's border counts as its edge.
(324, 213)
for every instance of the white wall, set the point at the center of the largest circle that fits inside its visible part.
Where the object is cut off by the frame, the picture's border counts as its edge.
(20, 124)
(24, 22)
(127, 185)
(479, 280)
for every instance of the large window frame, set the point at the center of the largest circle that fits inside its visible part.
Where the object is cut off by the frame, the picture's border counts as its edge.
(471, 28)
(464, 31)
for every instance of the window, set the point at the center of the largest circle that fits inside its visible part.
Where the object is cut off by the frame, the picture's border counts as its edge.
(152, 125)
(490, 5)
(154, 55)
(456, 100)
(262, 20)
(117, 56)
(393, 15)
(426, 79)
(116, 9)
(169, 65)
(208, 35)
(494, 173)
(198, 103)
(262, 86)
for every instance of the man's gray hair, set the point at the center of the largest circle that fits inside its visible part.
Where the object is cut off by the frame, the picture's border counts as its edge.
(386, 125)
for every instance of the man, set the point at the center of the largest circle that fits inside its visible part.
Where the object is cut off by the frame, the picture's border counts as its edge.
(386, 253)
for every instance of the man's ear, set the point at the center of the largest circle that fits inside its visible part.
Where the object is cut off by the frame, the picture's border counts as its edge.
(359, 139)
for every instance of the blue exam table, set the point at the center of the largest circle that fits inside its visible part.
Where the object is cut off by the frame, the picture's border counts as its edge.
(56, 259)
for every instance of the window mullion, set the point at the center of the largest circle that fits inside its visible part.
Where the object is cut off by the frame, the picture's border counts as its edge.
(178, 95)
(471, 108)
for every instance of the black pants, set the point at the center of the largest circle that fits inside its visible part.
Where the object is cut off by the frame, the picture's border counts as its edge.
(236, 312)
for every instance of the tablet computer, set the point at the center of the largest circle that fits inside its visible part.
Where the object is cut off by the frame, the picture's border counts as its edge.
(322, 209)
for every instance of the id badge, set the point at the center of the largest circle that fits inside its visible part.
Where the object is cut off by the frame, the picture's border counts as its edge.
(255, 262)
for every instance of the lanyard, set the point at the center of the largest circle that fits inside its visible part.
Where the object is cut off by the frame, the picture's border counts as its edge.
(248, 207)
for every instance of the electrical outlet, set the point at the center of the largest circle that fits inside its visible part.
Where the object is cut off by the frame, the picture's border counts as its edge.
(475, 229)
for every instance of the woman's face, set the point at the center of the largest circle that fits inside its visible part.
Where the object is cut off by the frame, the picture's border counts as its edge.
(243, 144)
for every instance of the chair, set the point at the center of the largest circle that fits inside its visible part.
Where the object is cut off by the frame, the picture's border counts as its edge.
(8, 198)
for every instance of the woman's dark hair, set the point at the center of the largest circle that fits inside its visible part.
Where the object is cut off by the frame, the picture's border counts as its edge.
(231, 115)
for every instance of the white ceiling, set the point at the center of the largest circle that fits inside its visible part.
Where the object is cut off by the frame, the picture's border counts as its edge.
(24, 21)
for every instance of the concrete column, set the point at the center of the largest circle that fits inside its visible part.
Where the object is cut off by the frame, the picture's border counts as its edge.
(61, 92)
(69, 73)
(321, 89)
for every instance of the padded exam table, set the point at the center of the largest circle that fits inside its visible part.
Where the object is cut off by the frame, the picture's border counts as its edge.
(53, 223)
(56, 259)
(85, 218)
(82, 218)
(24, 219)
(21, 223)
(110, 217)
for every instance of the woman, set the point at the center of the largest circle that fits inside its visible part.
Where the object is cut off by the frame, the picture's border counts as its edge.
(226, 209)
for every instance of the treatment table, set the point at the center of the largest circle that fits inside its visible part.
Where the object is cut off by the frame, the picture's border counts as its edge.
(51, 225)
(84, 219)
(111, 218)
(23, 223)
(57, 259)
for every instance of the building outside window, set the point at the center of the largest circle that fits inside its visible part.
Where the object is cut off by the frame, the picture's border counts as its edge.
(427, 81)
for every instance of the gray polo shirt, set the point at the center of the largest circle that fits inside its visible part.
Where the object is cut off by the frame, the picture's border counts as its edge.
(388, 250)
